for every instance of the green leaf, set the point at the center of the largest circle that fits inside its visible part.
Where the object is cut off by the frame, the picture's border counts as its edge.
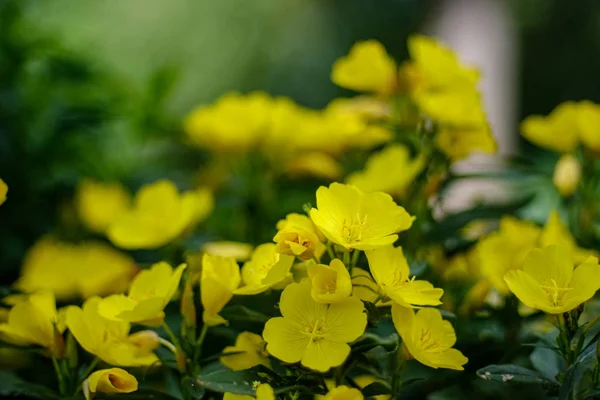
(370, 340)
(376, 389)
(574, 385)
(12, 385)
(218, 378)
(241, 313)
(191, 389)
(545, 358)
(511, 374)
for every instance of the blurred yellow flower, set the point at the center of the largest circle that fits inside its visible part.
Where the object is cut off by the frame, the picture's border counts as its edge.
(35, 321)
(315, 334)
(549, 282)
(460, 143)
(330, 283)
(456, 107)
(159, 215)
(265, 269)
(251, 349)
(589, 124)
(356, 220)
(149, 293)
(234, 123)
(567, 175)
(3, 191)
(391, 272)
(314, 164)
(220, 277)
(428, 338)
(506, 249)
(239, 251)
(99, 204)
(113, 380)
(344, 393)
(110, 340)
(391, 170)
(558, 131)
(297, 236)
(73, 270)
(556, 233)
(366, 68)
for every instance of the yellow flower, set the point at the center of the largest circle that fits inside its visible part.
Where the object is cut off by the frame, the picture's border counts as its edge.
(73, 270)
(149, 294)
(460, 143)
(99, 204)
(265, 269)
(456, 107)
(558, 131)
(113, 380)
(35, 321)
(159, 215)
(344, 393)
(555, 232)
(391, 272)
(315, 334)
(567, 175)
(220, 277)
(239, 251)
(3, 191)
(589, 121)
(254, 353)
(549, 283)
(366, 68)
(506, 249)
(366, 289)
(297, 236)
(234, 123)
(356, 220)
(428, 338)
(330, 283)
(110, 340)
(392, 170)
(314, 164)
(264, 391)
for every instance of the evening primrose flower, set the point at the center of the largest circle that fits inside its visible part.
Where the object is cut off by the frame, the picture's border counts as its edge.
(366, 68)
(265, 269)
(35, 321)
(366, 289)
(238, 250)
(549, 282)
(297, 236)
(314, 164)
(356, 220)
(159, 215)
(427, 337)
(344, 393)
(330, 283)
(75, 270)
(110, 340)
(392, 171)
(149, 294)
(234, 123)
(460, 143)
(251, 349)
(113, 380)
(559, 131)
(589, 121)
(99, 204)
(391, 272)
(220, 277)
(567, 174)
(315, 334)
(557, 233)
(506, 249)
(3, 191)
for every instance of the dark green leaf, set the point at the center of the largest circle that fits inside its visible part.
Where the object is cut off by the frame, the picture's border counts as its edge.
(511, 374)
(574, 385)
(370, 340)
(191, 390)
(142, 394)
(241, 313)
(218, 378)
(375, 389)
(12, 385)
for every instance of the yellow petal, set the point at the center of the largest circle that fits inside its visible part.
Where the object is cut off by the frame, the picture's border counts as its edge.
(114, 380)
(321, 355)
(3, 191)
(285, 339)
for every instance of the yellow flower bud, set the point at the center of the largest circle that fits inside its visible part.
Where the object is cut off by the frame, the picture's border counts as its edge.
(3, 191)
(146, 341)
(113, 380)
(567, 175)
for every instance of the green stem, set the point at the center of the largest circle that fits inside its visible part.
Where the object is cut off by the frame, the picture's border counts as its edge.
(171, 334)
(59, 376)
(316, 260)
(355, 257)
(347, 259)
(199, 341)
(329, 250)
(87, 373)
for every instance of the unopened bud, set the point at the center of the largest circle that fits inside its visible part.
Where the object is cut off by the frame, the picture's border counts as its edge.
(181, 359)
(567, 175)
(188, 307)
(146, 341)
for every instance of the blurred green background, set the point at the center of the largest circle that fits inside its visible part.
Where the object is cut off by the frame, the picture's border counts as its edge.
(99, 88)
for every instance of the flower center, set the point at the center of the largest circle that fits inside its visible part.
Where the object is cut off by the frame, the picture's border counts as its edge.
(555, 294)
(427, 341)
(316, 331)
(352, 229)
